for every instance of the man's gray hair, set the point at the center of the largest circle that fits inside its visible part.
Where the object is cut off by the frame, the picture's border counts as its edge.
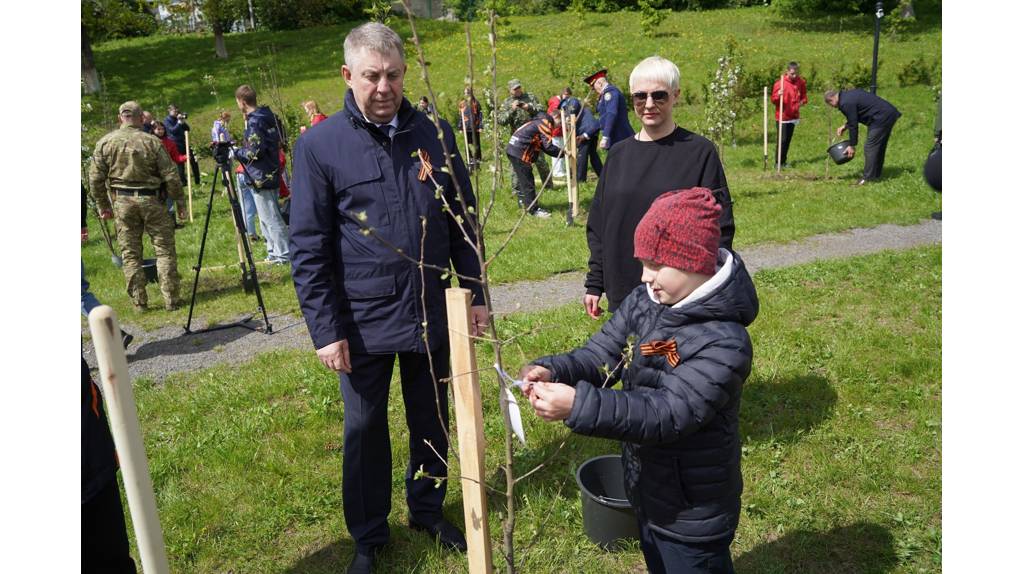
(372, 36)
(829, 95)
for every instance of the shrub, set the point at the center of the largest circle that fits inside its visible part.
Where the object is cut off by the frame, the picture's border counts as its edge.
(650, 17)
(918, 71)
(111, 19)
(857, 76)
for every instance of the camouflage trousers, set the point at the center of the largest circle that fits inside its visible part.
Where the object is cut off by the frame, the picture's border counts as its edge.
(136, 215)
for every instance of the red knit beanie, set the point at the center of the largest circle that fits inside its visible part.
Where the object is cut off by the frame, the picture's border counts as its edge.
(681, 230)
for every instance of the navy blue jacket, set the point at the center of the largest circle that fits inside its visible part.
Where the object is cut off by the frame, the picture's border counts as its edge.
(611, 107)
(866, 108)
(351, 285)
(176, 129)
(586, 123)
(679, 425)
(260, 151)
(99, 463)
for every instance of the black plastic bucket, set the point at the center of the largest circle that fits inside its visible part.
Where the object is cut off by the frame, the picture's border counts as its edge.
(149, 266)
(608, 518)
(838, 152)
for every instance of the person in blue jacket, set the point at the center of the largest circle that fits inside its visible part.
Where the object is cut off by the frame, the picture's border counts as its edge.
(587, 130)
(368, 182)
(611, 109)
(680, 346)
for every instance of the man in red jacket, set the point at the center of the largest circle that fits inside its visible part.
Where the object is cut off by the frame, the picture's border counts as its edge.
(793, 91)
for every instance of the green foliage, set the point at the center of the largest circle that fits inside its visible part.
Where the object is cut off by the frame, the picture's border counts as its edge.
(724, 98)
(290, 14)
(858, 75)
(464, 10)
(379, 11)
(918, 71)
(650, 17)
(111, 19)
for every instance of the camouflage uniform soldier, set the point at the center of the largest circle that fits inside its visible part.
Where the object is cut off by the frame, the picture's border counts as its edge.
(517, 109)
(134, 167)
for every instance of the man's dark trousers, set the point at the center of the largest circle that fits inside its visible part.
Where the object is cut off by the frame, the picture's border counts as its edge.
(525, 188)
(366, 469)
(787, 136)
(874, 150)
(587, 149)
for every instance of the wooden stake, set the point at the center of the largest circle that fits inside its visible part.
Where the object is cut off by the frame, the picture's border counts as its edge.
(829, 141)
(124, 426)
(782, 104)
(465, 134)
(469, 422)
(188, 175)
(574, 186)
(765, 128)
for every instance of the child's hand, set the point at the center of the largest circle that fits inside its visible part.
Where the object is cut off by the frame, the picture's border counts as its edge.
(552, 401)
(534, 373)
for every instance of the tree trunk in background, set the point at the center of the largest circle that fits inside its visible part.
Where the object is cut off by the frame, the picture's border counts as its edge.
(218, 41)
(90, 77)
(907, 9)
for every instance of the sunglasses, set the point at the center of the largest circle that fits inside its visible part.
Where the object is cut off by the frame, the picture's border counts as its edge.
(660, 97)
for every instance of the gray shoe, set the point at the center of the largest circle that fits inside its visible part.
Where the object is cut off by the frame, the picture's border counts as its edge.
(541, 213)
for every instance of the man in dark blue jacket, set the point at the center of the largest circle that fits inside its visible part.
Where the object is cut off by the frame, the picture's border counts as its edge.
(176, 126)
(587, 128)
(611, 108)
(879, 115)
(368, 182)
(260, 156)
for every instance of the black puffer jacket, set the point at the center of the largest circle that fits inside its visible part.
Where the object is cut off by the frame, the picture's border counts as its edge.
(679, 425)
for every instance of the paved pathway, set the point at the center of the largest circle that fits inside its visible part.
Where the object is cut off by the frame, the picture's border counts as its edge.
(156, 354)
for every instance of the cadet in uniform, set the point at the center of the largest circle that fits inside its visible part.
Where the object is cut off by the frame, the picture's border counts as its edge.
(134, 167)
(517, 109)
(523, 152)
(611, 108)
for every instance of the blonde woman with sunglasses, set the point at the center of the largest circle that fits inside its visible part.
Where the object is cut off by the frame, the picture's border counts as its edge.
(662, 157)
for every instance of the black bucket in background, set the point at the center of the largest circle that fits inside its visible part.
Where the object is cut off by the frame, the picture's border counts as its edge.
(149, 266)
(608, 517)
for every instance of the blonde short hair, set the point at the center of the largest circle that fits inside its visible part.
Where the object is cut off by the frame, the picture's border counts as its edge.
(655, 69)
(311, 107)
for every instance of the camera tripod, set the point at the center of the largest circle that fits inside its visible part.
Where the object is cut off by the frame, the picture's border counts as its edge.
(249, 279)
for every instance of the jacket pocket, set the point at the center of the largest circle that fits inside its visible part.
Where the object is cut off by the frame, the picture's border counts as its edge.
(661, 487)
(369, 288)
(363, 193)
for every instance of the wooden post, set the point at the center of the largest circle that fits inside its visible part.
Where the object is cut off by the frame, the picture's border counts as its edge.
(829, 142)
(469, 422)
(124, 426)
(465, 134)
(188, 175)
(782, 104)
(765, 128)
(574, 184)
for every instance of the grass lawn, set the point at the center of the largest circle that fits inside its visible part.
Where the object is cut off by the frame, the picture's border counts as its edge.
(803, 202)
(841, 419)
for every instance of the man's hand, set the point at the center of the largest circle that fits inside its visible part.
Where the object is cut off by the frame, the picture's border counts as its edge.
(605, 143)
(480, 320)
(552, 401)
(592, 303)
(85, 234)
(841, 129)
(850, 151)
(106, 214)
(335, 356)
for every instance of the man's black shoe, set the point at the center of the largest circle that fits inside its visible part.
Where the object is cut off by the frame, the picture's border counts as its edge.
(937, 215)
(126, 339)
(445, 532)
(361, 563)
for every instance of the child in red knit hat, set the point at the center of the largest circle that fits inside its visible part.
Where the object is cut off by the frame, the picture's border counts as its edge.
(679, 345)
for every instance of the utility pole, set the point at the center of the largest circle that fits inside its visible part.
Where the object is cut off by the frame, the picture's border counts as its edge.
(874, 58)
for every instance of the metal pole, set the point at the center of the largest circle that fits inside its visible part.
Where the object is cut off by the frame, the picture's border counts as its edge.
(874, 58)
